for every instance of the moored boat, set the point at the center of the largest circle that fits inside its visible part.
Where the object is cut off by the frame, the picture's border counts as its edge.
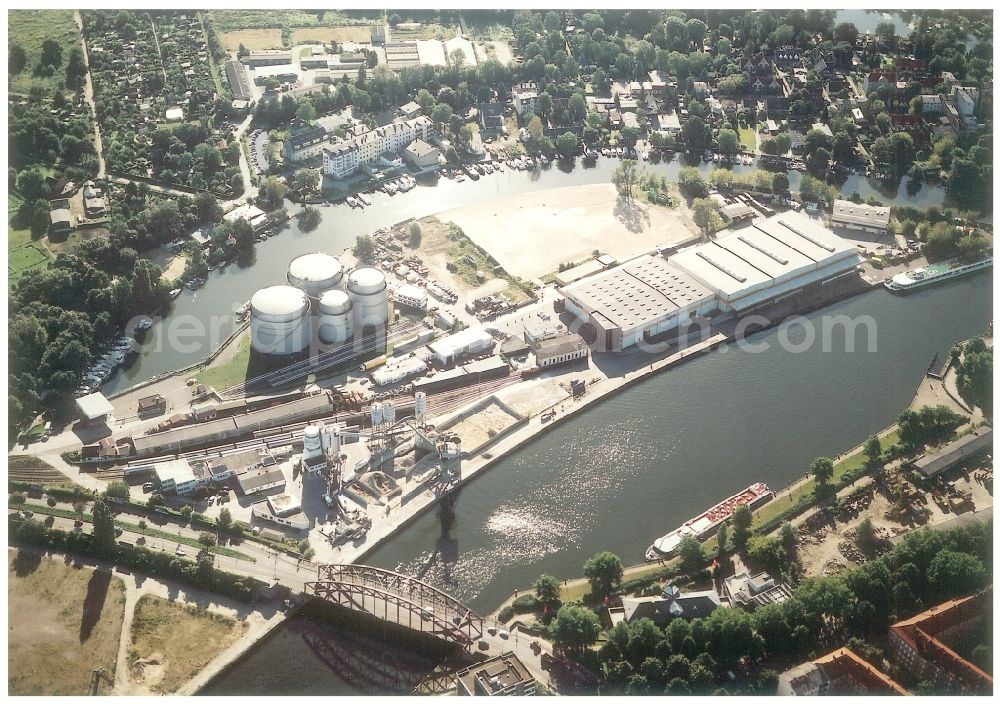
(932, 274)
(708, 522)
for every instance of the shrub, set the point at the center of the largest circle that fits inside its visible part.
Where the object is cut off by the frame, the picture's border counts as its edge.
(506, 614)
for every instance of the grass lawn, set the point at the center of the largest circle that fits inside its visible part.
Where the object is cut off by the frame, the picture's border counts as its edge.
(180, 638)
(850, 462)
(63, 622)
(30, 28)
(230, 20)
(748, 138)
(232, 371)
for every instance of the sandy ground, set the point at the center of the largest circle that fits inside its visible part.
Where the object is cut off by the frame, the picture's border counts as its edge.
(475, 430)
(350, 33)
(531, 234)
(252, 39)
(501, 52)
(171, 264)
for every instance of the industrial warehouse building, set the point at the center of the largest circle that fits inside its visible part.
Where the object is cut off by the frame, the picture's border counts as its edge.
(771, 259)
(201, 434)
(740, 271)
(860, 217)
(468, 342)
(642, 298)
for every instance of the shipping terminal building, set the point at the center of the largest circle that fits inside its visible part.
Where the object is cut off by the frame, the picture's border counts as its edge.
(738, 272)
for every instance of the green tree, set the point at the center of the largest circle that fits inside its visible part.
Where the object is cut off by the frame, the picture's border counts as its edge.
(625, 177)
(51, 53)
(575, 628)
(104, 527)
(691, 183)
(415, 235)
(306, 180)
(566, 144)
(206, 539)
(821, 470)
(605, 571)
(31, 184)
(364, 247)
(547, 590)
(117, 490)
(17, 59)
(729, 142)
(706, 216)
(742, 519)
(272, 193)
(952, 574)
(692, 555)
(225, 519)
(873, 450)
(722, 539)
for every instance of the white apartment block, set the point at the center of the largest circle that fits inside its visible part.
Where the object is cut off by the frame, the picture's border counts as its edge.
(343, 158)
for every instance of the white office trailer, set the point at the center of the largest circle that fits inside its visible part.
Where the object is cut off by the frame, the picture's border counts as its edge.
(336, 321)
(369, 298)
(279, 320)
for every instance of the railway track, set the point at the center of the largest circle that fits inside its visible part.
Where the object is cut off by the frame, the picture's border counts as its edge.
(322, 362)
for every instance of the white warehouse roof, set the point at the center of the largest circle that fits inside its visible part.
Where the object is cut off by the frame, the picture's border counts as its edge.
(93, 406)
(638, 293)
(790, 248)
(860, 214)
(470, 338)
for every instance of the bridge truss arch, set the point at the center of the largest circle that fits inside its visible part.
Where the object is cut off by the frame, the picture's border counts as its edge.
(398, 598)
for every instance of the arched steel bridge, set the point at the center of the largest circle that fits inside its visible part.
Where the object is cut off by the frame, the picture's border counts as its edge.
(398, 599)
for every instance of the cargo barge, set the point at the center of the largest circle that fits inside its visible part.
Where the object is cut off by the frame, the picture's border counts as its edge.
(705, 524)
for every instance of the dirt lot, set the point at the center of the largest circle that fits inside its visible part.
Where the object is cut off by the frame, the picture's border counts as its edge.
(434, 251)
(499, 51)
(357, 33)
(172, 265)
(252, 39)
(171, 643)
(475, 430)
(63, 622)
(531, 234)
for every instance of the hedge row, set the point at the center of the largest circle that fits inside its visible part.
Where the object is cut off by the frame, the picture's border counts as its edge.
(153, 563)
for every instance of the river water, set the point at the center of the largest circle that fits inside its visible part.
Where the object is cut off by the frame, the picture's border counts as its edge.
(644, 461)
(208, 312)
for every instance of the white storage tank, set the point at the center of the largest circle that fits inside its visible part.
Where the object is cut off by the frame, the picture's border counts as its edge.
(376, 414)
(335, 318)
(311, 442)
(420, 404)
(316, 273)
(279, 320)
(369, 297)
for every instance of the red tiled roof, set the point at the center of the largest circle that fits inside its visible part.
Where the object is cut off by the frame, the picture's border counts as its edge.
(845, 661)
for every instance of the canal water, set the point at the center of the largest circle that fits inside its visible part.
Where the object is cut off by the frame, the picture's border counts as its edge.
(641, 463)
(208, 313)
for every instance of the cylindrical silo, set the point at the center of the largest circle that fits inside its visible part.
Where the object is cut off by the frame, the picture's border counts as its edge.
(367, 289)
(376, 414)
(420, 404)
(389, 412)
(335, 321)
(279, 320)
(316, 274)
(311, 442)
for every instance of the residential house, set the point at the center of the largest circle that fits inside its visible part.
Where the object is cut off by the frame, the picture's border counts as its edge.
(503, 675)
(751, 592)
(878, 79)
(931, 104)
(343, 158)
(61, 220)
(525, 96)
(305, 144)
(490, 119)
(663, 609)
(409, 110)
(701, 89)
(421, 155)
